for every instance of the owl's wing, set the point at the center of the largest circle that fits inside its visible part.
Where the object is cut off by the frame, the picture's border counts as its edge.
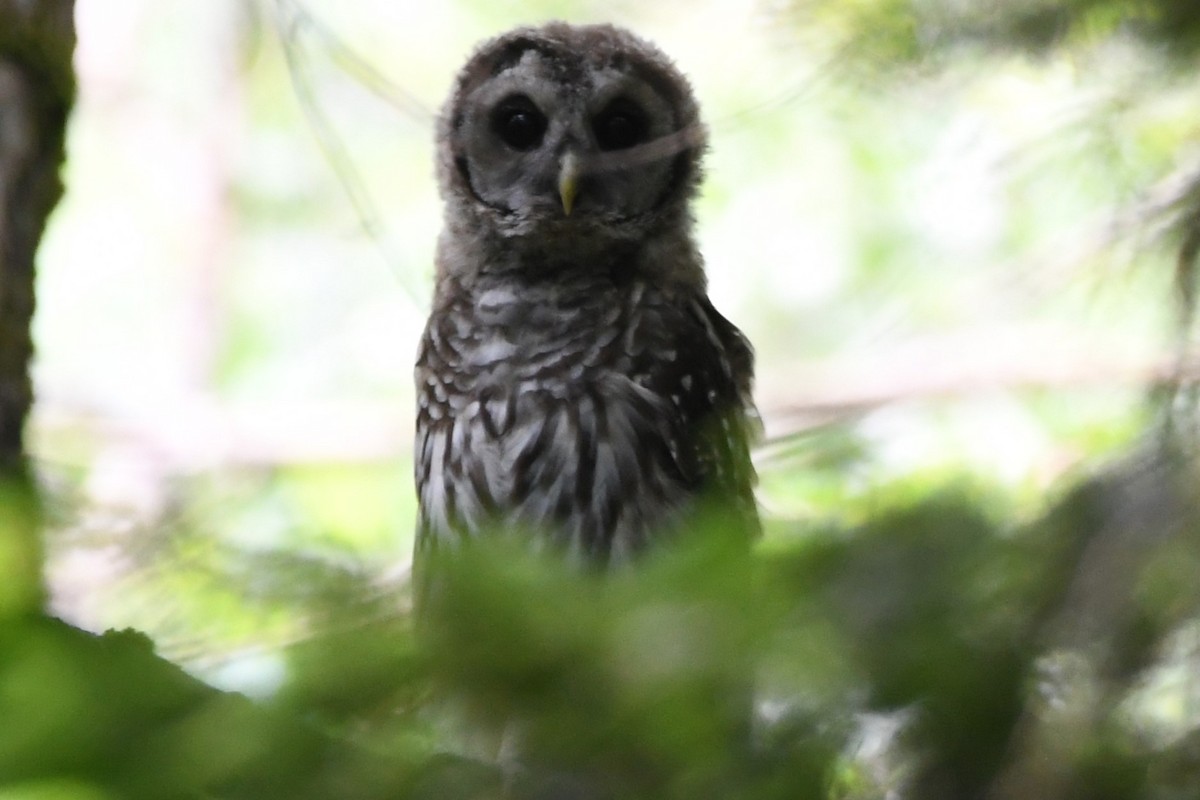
(710, 386)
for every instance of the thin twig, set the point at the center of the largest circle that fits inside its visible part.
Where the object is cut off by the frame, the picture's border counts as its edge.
(292, 20)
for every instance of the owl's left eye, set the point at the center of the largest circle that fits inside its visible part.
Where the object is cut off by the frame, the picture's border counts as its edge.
(619, 126)
(519, 123)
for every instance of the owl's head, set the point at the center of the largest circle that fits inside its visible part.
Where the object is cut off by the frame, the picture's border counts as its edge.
(570, 133)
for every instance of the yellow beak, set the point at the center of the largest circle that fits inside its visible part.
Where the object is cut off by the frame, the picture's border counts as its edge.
(568, 181)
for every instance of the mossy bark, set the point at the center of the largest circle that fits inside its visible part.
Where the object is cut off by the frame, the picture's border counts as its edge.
(37, 89)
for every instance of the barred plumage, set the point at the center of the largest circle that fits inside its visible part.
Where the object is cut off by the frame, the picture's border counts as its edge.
(573, 380)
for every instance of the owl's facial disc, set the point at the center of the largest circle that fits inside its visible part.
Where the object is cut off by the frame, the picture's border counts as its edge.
(547, 143)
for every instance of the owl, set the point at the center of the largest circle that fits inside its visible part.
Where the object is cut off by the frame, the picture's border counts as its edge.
(574, 382)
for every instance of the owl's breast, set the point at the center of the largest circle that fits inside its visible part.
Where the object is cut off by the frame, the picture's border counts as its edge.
(541, 337)
(587, 466)
(546, 427)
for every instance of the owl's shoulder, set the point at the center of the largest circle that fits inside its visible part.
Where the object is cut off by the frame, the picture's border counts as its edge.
(694, 337)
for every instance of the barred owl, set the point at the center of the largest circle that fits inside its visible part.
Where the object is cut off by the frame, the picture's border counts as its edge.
(574, 381)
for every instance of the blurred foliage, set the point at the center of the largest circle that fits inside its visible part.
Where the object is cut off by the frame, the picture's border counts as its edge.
(21, 590)
(1130, 141)
(896, 31)
(102, 717)
(939, 649)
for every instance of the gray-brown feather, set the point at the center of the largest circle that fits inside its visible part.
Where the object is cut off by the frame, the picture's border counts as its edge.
(593, 413)
(573, 381)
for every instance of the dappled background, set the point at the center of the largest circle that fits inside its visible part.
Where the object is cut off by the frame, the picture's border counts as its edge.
(959, 237)
(946, 246)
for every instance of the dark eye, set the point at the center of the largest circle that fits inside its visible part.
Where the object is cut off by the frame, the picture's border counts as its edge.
(518, 123)
(619, 126)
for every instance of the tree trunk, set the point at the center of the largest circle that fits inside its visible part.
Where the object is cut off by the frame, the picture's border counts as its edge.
(37, 88)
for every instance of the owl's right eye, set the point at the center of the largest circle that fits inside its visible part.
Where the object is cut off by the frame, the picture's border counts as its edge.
(518, 123)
